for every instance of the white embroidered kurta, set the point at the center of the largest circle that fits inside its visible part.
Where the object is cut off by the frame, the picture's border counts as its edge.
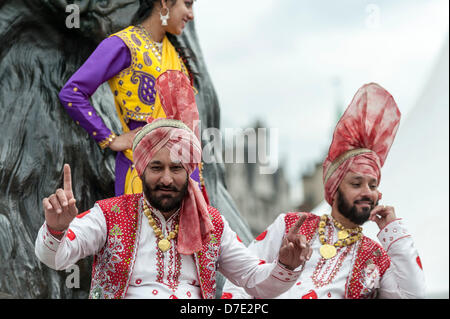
(327, 279)
(172, 276)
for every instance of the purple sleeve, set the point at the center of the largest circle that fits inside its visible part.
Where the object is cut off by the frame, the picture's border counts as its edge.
(109, 58)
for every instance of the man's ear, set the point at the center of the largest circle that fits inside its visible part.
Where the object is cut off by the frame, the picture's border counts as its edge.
(335, 196)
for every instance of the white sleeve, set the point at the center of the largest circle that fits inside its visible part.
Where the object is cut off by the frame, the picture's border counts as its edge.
(404, 278)
(256, 268)
(85, 236)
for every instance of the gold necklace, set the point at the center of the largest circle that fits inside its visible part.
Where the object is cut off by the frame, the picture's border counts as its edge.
(328, 251)
(163, 243)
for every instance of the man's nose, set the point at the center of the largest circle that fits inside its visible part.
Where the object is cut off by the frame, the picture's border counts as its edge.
(366, 191)
(166, 178)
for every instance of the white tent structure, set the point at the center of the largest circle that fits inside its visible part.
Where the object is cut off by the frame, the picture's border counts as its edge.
(415, 177)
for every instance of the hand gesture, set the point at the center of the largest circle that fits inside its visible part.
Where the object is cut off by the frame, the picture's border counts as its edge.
(124, 141)
(60, 208)
(295, 249)
(382, 215)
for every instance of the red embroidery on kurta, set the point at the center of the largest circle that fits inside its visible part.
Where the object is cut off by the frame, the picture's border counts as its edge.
(262, 235)
(261, 262)
(227, 295)
(239, 240)
(83, 214)
(71, 235)
(419, 262)
(310, 295)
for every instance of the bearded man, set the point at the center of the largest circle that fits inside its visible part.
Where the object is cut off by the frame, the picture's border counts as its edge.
(166, 242)
(345, 263)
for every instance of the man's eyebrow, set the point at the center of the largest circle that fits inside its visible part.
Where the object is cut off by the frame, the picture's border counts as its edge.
(156, 162)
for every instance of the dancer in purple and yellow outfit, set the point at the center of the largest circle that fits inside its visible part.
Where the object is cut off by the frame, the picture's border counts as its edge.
(130, 61)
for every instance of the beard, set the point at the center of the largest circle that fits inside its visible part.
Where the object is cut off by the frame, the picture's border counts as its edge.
(351, 211)
(165, 203)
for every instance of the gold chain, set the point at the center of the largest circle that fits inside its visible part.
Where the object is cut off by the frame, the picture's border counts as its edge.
(164, 243)
(344, 239)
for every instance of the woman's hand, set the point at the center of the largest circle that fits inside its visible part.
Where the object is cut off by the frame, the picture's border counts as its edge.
(124, 141)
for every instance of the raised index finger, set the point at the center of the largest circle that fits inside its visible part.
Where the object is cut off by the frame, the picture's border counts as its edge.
(67, 179)
(295, 229)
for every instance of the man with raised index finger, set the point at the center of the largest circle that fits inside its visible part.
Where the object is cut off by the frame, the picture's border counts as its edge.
(165, 242)
(345, 263)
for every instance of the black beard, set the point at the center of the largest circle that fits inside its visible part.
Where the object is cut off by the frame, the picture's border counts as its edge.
(351, 211)
(171, 204)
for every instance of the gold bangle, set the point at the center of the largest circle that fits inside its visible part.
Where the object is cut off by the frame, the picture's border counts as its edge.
(107, 141)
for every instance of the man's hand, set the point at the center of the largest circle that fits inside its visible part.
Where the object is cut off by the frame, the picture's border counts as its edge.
(295, 249)
(124, 141)
(382, 215)
(60, 208)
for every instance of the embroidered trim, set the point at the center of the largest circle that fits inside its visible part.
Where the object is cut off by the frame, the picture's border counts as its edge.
(49, 247)
(389, 247)
(137, 233)
(397, 219)
(342, 158)
(107, 141)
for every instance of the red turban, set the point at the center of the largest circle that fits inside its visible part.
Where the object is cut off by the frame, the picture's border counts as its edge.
(195, 225)
(362, 137)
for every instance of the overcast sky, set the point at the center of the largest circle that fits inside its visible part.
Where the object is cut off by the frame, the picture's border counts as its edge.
(292, 63)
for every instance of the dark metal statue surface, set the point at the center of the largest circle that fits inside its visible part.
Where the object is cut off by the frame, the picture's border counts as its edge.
(38, 54)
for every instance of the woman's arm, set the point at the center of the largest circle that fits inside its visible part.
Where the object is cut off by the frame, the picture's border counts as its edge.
(109, 58)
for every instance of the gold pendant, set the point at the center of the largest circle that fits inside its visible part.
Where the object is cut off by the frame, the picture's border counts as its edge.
(164, 245)
(327, 251)
(342, 234)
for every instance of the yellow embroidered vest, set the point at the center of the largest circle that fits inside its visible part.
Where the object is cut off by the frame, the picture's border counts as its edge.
(134, 87)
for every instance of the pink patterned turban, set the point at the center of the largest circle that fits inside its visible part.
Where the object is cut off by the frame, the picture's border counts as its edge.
(178, 137)
(362, 137)
(178, 99)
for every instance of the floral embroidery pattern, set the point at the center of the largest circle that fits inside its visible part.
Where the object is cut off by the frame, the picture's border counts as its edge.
(370, 280)
(106, 263)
